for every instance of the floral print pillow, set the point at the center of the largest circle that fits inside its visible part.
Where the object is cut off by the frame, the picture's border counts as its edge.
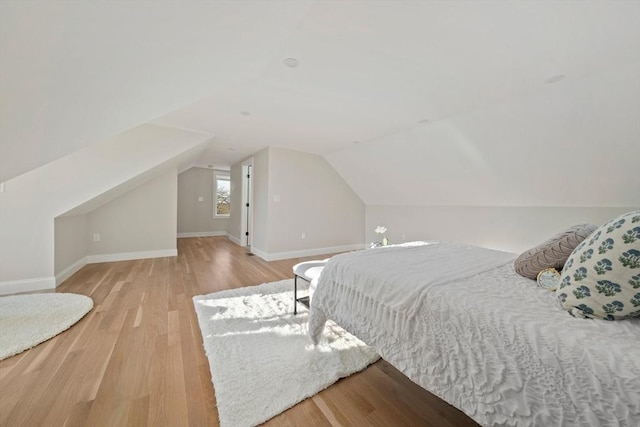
(601, 278)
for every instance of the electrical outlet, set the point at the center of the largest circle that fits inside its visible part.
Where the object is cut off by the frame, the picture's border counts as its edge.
(96, 237)
(304, 235)
(201, 199)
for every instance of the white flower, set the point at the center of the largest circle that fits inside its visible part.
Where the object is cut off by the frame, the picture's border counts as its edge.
(380, 229)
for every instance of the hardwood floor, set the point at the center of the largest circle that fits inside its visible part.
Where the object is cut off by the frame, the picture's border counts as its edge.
(137, 358)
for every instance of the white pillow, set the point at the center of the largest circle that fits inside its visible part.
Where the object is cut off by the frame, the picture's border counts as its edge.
(601, 278)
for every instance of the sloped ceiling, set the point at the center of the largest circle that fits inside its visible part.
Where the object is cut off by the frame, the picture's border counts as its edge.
(575, 143)
(369, 72)
(75, 73)
(373, 69)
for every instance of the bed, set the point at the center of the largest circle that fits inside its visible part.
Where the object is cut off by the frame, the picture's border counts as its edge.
(459, 321)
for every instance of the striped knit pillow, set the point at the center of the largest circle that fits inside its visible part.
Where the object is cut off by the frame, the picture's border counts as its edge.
(552, 253)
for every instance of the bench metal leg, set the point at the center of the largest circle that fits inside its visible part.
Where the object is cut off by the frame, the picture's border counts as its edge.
(295, 294)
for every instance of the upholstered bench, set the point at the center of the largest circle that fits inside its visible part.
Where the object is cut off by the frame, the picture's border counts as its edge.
(308, 271)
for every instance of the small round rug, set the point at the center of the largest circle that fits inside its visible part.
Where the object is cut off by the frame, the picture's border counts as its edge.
(27, 320)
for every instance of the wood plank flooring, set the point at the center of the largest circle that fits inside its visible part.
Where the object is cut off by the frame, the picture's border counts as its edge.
(137, 358)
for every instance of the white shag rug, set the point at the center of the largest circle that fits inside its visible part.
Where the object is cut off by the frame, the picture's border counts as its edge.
(261, 358)
(27, 320)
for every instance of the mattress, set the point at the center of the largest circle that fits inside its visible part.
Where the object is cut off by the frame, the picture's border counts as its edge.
(460, 322)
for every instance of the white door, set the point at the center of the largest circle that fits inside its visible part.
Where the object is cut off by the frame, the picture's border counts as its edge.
(246, 225)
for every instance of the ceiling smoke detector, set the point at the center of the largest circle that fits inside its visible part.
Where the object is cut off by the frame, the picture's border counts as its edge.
(245, 113)
(291, 62)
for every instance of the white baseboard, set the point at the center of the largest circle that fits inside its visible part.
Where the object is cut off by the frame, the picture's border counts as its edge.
(71, 270)
(126, 256)
(262, 254)
(49, 283)
(202, 234)
(27, 285)
(305, 252)
(234, 239)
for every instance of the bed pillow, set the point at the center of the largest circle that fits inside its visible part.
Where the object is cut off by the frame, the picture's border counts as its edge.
(601, 278)
(552, 253)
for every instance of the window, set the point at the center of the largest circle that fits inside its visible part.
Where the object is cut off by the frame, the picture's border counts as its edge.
(222, 185)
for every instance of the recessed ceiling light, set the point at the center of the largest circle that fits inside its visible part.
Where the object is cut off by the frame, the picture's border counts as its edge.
(231, 149)
(555, 78)
(291, 62)
(245, 113)
(356, 142)
(424, 121)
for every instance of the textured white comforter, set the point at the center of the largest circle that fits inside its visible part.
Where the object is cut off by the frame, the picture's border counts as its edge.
(461, 323)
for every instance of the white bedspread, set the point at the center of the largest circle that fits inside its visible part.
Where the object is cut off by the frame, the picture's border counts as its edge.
(461, 323)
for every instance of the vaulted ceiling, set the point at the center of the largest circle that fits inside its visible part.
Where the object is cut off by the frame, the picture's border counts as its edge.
(75, 73)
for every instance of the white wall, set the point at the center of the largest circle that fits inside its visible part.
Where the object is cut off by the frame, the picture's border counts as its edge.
(140, 224)
(195, 218)
(31, 201)
(261, 205)
(511, 229)
(71, 245)
(306, 195)
(295, 193)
